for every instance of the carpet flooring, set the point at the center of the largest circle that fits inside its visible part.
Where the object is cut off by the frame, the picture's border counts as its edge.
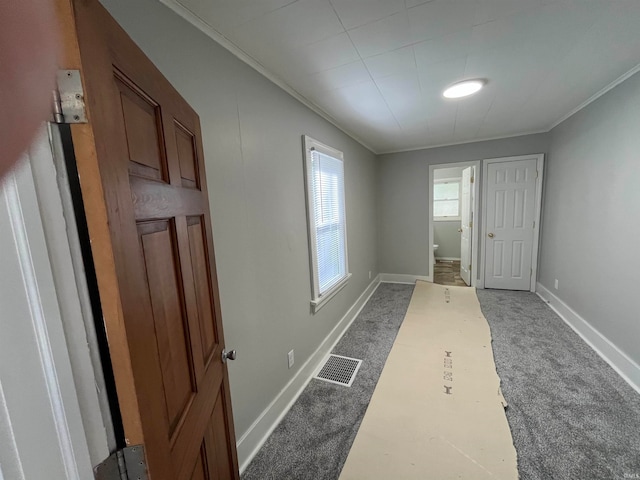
(313, 440)
(571, 416)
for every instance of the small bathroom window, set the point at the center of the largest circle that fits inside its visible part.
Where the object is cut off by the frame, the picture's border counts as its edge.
(446, 199)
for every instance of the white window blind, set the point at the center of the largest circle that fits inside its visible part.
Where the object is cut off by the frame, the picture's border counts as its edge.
(326, 213)
(446, 199)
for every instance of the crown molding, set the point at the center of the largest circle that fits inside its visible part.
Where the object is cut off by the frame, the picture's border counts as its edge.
(596, 96)
(227, 44)
(453, 144)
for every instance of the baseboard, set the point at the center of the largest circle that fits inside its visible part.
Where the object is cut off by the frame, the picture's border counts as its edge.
(402, 278)
(250, 443)
(449, 259)
(628, 369)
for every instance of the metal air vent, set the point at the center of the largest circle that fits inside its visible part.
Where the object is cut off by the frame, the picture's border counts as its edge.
(339, 369)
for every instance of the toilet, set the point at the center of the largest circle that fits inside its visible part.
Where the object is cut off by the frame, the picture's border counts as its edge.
(433, 255)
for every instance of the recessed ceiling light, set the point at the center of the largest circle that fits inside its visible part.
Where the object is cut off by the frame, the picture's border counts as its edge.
(463, 89)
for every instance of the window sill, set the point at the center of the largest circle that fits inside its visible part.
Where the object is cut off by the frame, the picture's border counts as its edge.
(318, 303)
(447, 219)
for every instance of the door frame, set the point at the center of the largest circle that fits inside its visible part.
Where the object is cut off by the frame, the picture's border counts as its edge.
(45, 315)
(474, 230)
(538, 212)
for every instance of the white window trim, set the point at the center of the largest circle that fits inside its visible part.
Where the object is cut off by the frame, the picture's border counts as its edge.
(457, 218)
(318, 300)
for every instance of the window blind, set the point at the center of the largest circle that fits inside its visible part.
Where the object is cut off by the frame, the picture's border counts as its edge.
(327, 196)
(446, 199)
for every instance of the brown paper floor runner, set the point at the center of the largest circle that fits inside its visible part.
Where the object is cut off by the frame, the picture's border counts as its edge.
(437, 411)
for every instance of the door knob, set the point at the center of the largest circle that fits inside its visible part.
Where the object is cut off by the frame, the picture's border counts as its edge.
(490, 235)
(230, 355)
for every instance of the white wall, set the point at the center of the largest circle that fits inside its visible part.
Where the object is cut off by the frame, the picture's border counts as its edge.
(252, 141)
(403, 196)
(590, 227)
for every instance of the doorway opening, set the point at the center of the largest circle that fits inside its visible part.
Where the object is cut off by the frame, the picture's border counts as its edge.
(453, 241)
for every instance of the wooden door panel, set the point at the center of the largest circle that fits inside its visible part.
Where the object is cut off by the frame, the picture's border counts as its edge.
(153, 200)
(146, 181)
(199, 263)
(200, 472)
(143, 128)
(171, 330)
(216, 446)
(188, 159)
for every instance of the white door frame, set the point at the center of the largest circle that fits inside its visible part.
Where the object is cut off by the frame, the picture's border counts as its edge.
(47, 384)
(475, 251)
(538, 212)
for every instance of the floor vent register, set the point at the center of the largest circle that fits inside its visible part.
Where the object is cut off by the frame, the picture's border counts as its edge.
(340, 370)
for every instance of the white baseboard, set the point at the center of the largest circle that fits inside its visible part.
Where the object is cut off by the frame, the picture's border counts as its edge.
(250, 443)
(449, 259)
(402, 278)
(628, 369)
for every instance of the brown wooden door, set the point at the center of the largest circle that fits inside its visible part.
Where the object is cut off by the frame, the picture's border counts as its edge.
(141, 168)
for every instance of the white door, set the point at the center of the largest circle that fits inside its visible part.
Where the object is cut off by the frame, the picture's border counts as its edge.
(466, 202)
(510, 209)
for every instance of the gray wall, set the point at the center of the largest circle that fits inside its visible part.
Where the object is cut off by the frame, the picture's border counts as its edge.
(590, 226)
(403, 196)
(447, 237)
(252, 141)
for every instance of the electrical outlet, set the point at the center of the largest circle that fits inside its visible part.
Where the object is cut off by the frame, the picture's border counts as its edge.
(290, 358)
(369, 274)
(556, 284)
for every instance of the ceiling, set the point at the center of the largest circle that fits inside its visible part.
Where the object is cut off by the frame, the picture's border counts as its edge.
(377, 68)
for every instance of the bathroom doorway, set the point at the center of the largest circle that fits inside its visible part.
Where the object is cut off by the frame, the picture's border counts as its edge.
(453, 237)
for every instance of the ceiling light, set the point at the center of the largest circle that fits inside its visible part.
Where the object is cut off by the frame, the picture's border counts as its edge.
(463, 89)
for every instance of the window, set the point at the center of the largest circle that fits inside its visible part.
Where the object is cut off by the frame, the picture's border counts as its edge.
(446, 199)
(324, 172)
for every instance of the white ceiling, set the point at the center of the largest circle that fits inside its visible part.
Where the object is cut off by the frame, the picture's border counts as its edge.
(378, 67)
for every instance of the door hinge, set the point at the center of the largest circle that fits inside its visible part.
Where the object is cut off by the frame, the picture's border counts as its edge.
(469, 267)
(68, 98)
(471, 180)
(126, 464)
(470, 224)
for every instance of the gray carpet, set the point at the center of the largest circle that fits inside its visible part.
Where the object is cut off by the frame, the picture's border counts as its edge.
(314, 438)
(571, 415)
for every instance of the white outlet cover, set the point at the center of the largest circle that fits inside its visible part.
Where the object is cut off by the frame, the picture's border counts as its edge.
(556, 284)
(290, 358)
